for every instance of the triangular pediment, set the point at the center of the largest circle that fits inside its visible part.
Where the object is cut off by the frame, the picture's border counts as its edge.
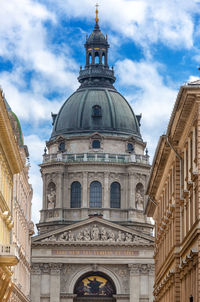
(92, 231)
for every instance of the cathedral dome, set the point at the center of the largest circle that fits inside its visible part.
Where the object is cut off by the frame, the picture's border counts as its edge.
(96, 106)
(95, 109)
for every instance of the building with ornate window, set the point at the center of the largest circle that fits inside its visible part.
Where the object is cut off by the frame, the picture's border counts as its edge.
(23, 226)
(95, 242)
(10, 164)
(174, 202)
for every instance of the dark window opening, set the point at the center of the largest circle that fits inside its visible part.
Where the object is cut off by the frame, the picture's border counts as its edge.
(61, 147)
(96, 59)
(115, 195)
(95, 195)
(103, 59)
(130, 147)
(90, 59)
(96, 111)
(75, 194)
(96, 144)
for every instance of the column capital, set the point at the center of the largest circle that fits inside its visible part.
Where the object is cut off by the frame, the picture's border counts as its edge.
(55, 268)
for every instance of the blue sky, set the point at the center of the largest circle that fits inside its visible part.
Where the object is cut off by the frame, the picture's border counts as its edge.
(154, 48)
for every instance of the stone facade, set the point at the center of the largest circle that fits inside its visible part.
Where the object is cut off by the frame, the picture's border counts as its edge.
(174, 202)
(22, 231)
(92, 246)
(94, 241)
(10, 163)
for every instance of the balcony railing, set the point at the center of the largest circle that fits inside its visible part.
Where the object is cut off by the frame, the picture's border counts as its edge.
(96, 157)
(8, 254)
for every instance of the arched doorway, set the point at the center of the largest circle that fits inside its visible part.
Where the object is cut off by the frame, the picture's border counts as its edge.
(94, 287)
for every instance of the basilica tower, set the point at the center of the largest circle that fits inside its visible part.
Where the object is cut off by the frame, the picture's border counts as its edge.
(93, 232)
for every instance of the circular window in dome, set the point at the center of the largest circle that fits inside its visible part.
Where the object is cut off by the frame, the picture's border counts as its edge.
(94, 285)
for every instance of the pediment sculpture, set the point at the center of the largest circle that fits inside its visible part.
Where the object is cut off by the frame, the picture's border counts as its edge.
(96, 233)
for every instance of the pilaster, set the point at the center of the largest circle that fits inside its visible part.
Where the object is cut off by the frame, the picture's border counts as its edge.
(134, 283)
(55, 282)
(84, 190)
(35, 283)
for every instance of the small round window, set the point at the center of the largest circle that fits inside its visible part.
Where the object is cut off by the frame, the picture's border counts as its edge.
(96, 144)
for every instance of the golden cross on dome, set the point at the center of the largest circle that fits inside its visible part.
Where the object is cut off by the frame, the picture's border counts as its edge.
(97, 12)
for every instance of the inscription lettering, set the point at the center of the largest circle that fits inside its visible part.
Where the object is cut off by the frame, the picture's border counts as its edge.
(95, 253)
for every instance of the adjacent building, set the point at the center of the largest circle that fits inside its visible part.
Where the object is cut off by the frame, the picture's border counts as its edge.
(174, 191)
(23, 226)
(10, 164)
(95, 242)
(15, 209)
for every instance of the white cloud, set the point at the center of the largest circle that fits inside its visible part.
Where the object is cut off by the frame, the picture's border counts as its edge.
(144, 21)
(153, 98)
(148, 94)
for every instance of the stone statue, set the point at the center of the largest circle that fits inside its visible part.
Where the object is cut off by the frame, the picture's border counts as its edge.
(52, 238)
(120, 237)
(128, 237)
(51, 197)
(139, 200)
(63, 237)
(86, 234)
(104, 236)
(80, 236)
(95, 233)
(111, 236)
(71, 236)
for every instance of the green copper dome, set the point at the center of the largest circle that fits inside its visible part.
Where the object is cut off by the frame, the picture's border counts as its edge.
(101, 110)
(96, 106)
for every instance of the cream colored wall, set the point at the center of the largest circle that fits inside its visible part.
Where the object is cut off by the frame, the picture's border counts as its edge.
(22, 195)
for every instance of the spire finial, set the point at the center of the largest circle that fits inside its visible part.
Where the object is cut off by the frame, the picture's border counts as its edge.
(97, 12)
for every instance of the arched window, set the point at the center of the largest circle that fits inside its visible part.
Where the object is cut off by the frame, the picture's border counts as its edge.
(75, 194)
(95, 195)
(96, 111)
(90, 58)
(96, 144)
(96, 58)
(130, 148)
(115, 195)
(61, 147)
(103, 58)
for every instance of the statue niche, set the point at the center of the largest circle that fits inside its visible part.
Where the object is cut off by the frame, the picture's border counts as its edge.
(139, 196)
(51, 196)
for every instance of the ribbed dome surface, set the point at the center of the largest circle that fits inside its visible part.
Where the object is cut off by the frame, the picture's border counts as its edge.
(76, 115)
(96, 36)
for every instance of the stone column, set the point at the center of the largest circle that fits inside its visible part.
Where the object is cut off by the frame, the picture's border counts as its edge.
(35, 283)
(59, 190)
(55, 283)
(106, 192)
(44, 179)
(84, 190)
(131, 191)
(134, 283)
(151, 282)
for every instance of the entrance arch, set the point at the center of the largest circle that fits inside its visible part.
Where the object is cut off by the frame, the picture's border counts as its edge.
(94, 287)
